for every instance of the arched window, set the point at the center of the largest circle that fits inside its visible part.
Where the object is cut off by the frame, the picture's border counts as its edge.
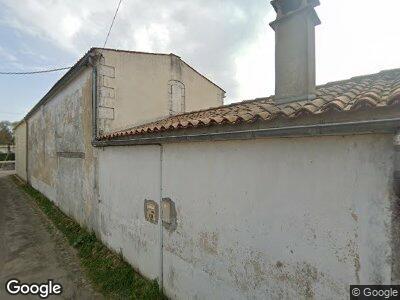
(176, 90)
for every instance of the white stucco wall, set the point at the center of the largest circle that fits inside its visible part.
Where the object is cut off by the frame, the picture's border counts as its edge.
(261, 219)
(278, 218)
(127, 177)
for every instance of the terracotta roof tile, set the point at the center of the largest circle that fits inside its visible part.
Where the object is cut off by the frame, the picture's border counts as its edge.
(363, 92)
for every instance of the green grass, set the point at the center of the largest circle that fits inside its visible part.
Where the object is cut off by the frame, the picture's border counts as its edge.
(4, 155)
(108, 272)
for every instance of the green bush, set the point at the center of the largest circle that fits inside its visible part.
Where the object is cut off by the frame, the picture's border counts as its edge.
(3, 156)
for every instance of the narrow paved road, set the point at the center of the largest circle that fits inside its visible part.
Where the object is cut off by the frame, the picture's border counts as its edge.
(32, 250)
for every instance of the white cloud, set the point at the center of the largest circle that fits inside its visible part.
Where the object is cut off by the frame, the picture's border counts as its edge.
(6, 56)
(255, 64)
(357, 37)
(229, 41)
(155, 37)
(70, 25)
(208, 34)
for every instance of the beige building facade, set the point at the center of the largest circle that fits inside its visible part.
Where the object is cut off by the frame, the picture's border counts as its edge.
(137, 88)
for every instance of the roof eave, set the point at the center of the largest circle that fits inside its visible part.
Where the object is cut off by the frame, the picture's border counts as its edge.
(384, 120)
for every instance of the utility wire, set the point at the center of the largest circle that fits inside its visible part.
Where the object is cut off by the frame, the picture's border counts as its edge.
(66, 68)
(34, 72)
(112, 23)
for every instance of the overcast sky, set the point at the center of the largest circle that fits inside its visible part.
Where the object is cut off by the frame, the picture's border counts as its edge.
(229, 41)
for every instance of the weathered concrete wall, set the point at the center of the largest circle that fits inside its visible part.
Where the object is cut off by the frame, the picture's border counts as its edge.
(61, 159)
(261, 219)
(279, 218)
(20, 150)
(127, 177)
(134, 88)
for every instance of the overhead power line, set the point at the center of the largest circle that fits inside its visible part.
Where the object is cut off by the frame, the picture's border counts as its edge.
(65, 68)
(35, 72)
(112, 23)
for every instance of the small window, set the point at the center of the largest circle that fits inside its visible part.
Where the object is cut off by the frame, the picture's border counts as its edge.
(176, 91)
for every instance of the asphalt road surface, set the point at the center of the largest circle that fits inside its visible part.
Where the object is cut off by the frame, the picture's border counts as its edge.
(32, 250)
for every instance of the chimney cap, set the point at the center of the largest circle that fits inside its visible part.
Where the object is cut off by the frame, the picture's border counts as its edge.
(284, 7)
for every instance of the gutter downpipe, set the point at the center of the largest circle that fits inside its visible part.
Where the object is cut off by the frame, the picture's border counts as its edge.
(93, 63)
(161, 270)
(27, 151)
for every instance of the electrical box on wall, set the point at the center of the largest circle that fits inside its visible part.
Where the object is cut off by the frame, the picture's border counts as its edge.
(166, 211)
(168, 214)
(151, 211)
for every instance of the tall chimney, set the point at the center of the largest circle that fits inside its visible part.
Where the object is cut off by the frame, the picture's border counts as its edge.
(295, 49)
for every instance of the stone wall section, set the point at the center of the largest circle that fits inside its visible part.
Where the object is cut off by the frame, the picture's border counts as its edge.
(106, 97)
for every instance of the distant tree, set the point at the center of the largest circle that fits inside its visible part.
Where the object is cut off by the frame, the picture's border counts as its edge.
(6, 133)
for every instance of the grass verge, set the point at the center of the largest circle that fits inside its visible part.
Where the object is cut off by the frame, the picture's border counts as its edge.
(108, 272)
(4, 156)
